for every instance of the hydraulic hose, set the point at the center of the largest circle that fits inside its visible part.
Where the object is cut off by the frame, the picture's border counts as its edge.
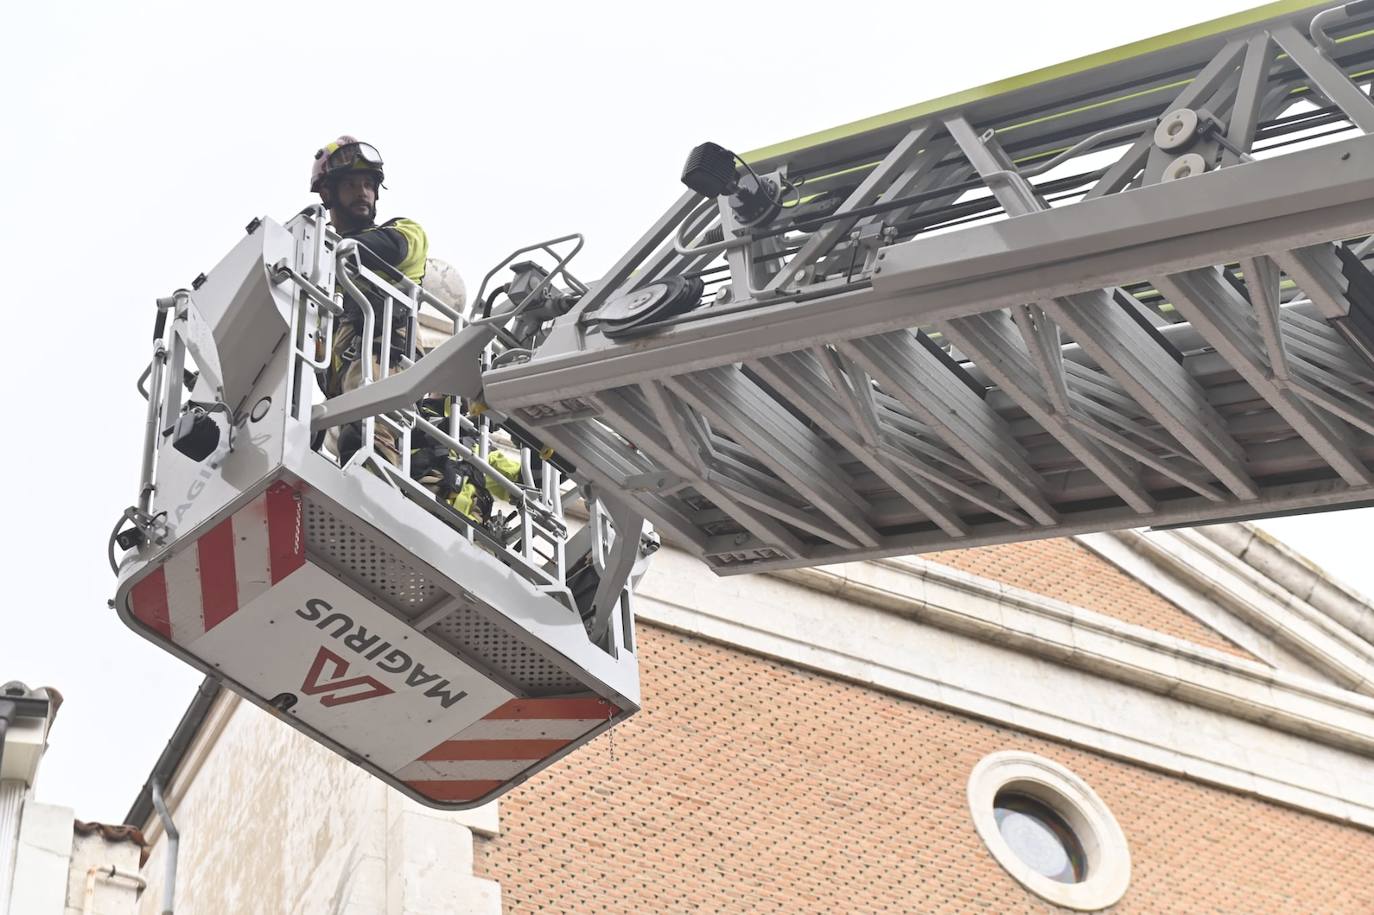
(1336, 15)
(487, 303)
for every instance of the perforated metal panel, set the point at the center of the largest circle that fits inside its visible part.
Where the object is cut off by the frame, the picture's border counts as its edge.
(472, 635)
(372, 565)
(368, 562)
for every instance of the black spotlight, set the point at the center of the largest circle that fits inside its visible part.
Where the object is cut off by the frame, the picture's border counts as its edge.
(196, 434)
(710, 171)
(129, 538)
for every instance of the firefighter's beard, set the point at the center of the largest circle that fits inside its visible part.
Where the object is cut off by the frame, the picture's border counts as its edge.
(364, 212)
(361, 213)
(357, 215)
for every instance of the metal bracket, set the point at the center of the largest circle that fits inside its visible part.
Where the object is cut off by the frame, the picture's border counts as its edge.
(615, 561)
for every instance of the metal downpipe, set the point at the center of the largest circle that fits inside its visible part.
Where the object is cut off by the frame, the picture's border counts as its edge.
(169, 882)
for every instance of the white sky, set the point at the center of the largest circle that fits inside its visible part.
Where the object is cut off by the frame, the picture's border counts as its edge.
(139, 138)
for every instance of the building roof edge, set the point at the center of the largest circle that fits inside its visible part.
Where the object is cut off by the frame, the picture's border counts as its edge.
(175, 751)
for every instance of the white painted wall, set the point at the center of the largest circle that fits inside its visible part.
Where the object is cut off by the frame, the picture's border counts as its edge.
(12, 793)
(44, 858)
(110, 896)
(272, 823)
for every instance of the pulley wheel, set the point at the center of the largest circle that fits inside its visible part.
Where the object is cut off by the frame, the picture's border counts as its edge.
(631, 312)
(1177, 129)
(1185, 166)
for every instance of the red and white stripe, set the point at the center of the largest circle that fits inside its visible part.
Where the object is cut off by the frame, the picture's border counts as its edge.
(225, 569)
(495, 749)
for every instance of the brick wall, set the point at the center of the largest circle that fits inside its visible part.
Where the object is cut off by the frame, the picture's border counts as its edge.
(1064, 570)
(751, 786)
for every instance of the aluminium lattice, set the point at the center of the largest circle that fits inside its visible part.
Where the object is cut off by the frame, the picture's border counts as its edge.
(1131, 290)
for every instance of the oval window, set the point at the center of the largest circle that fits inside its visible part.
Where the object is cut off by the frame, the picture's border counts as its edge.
(1049, 830)
(1040, 837)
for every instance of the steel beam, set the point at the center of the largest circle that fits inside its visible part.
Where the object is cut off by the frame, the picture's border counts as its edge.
(795, 375)
(1119, 345)
(1326, 78)
(909, 372)
(902, 169)
(648, 438)
(882, 379)
(985, 337)
(1222, 316)
(778, 441)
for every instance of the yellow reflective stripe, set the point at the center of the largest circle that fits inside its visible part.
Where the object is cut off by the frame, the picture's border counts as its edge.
(417, 248)
(462, 502)
(507, 466)
(1259, 14)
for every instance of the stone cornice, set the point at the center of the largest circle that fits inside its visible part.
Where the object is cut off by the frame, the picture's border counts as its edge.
(1248, 596)
(983, 649)
(1047, 628)
(1297, 575)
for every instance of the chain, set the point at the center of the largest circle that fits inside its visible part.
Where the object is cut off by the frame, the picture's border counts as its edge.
(610, 737)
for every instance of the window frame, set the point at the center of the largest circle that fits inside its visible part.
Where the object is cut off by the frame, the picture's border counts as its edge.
(1070, 798)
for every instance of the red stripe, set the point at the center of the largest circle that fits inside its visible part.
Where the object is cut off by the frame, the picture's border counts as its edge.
(452, 750)
(219, 587)
(149, 600)
(455, 791)
(581, 707)
(285, 530)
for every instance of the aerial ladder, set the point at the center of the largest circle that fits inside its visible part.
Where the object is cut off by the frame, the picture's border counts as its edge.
(1129, 290)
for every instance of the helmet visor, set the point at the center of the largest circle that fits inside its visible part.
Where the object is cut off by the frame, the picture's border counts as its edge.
(353, 155)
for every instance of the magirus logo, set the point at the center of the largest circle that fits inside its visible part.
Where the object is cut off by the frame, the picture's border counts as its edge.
(378, 652)
(334, 687)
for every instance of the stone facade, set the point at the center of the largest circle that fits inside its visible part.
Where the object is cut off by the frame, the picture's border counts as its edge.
(806, 744)
(751, 786)
(1068, 571)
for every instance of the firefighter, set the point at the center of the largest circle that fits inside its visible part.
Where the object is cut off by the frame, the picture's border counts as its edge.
(458, 483)
(348, 176)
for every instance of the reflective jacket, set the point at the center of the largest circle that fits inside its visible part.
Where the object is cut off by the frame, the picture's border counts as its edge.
(398, 243)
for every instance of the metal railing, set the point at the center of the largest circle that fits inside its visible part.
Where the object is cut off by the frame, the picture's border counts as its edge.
(324, 282)
(531, 536)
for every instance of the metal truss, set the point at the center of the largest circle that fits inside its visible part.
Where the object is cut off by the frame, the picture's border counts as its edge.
(1128, 291)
